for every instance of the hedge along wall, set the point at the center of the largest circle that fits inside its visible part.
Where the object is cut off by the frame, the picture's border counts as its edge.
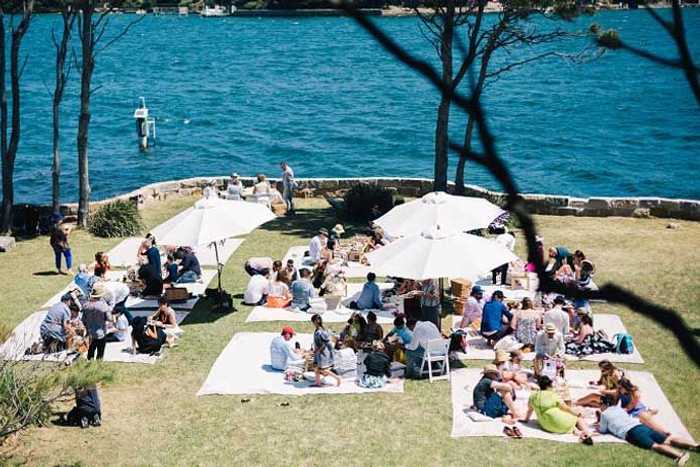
(557, 205)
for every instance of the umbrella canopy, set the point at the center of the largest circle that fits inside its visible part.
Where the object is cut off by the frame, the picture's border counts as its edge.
(436, 254)
(451, 213)
(211, 220)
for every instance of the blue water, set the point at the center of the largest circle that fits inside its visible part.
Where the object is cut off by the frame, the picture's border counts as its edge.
(234, 94)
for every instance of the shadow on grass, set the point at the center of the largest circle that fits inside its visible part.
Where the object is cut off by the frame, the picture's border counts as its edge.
(204, 313)
(46, 273)
(306, 223)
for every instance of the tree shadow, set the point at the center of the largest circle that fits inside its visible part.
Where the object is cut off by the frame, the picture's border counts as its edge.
(203, 312)
(306, 223)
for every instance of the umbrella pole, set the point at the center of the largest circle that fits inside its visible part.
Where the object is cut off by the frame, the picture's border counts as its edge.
(220, 293)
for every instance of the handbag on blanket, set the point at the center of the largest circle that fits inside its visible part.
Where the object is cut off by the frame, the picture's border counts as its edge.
(177, 294)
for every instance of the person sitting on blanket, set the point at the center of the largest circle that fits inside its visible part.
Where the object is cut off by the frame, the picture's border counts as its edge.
(335, 285)
(258, 288)
(558, 316)
(517, 379)
(630, 399)
(377, 367)
(84, 280)
(473, 307)
(607, 385)
(118, 331)
(143, 248)
(165, 318)
(494, 398)
(553, 414)
(318, 276)
(101, 264)
(371, 297)
(53, 327)
(170, 271)
(616, 421)
(279, 295)
(526, 322)
(355, 332)
(255, 265)
(323, 352)
(153, 283)
(303, 291)
(291, 271)
(190, 271)
(495, 319)
(421, 333)
(317, 246)
(147, 339)
(116, 295)
(396, 340)
(549, 344)
(585, 331)
(374, 331)
(282, 354)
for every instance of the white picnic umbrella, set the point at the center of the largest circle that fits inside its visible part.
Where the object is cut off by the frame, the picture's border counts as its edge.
(435, 254)
(451, 213)
(210, 221)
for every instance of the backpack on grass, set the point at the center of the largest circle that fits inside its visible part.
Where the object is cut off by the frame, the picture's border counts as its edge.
(624, 343)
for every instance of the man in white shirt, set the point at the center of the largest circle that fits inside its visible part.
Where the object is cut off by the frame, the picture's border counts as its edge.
(507, 239)
(558, 317)
(548, 344)
(422, 331)
(282, 355)
(288, 185)
(258, 288)
(317, 245)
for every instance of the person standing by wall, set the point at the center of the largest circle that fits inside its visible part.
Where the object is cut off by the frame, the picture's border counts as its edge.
(288, 185)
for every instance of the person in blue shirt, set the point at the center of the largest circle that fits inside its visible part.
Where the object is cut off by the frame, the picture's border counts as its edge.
(84, 280)
(401, 331)
(153, 255)
(303, 291)
(493, 326)
(371, 297)
(616, 421)
(170, 270)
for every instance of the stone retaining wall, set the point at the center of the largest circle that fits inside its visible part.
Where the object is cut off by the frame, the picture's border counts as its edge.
(412, 187)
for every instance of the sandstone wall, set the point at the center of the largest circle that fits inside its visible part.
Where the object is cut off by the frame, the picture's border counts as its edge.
(412, 187)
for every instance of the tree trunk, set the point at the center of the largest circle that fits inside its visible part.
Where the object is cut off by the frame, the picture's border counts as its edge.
(443, 114)
(87, 39)
(61, 52)
(9, 150)
(459, 175)
(7, 167)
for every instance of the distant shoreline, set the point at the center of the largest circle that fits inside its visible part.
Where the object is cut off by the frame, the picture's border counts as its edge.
(390, 11)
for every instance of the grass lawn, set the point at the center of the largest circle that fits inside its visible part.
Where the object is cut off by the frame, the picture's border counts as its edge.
(152, 416)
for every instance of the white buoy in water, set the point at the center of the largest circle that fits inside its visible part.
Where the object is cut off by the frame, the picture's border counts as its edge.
(145, 125)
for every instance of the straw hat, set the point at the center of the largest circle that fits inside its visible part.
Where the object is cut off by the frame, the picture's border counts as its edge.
(501, 356)
(338, 229)
(491, 368)
(98, 290)
(550, 327)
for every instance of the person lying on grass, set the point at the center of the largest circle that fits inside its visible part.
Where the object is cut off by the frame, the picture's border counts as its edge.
(553, 414)
(616, 421)
(494, 398)
(323, 352)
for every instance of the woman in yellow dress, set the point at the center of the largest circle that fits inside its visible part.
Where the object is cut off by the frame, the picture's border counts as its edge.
(553, 414)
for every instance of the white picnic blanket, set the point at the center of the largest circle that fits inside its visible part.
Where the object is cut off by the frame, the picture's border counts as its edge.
(244, 368)
(196, 289)
(339, 315)
(27, 333)
(352, 269)
(462, 386)
(611, 324)
(125, 253)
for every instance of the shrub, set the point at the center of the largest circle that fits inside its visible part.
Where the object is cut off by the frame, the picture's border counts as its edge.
(367, 202)
(29, 390)
(117, 219)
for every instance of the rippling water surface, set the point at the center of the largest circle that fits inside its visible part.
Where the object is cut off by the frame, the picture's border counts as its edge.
(234, 94)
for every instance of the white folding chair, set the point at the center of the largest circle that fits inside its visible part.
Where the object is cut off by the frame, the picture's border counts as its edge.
(437, 352)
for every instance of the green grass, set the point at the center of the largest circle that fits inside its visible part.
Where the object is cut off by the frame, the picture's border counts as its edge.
(152, 416)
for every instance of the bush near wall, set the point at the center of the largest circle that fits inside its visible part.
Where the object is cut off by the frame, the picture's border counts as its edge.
(117, 219)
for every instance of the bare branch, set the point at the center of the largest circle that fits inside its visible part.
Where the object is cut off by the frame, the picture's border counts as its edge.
(121, 34)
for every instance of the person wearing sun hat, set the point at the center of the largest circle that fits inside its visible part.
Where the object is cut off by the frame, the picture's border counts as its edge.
(234, 188)
(96, 314)
(492, 397)
(549, 343)
(282, 354)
